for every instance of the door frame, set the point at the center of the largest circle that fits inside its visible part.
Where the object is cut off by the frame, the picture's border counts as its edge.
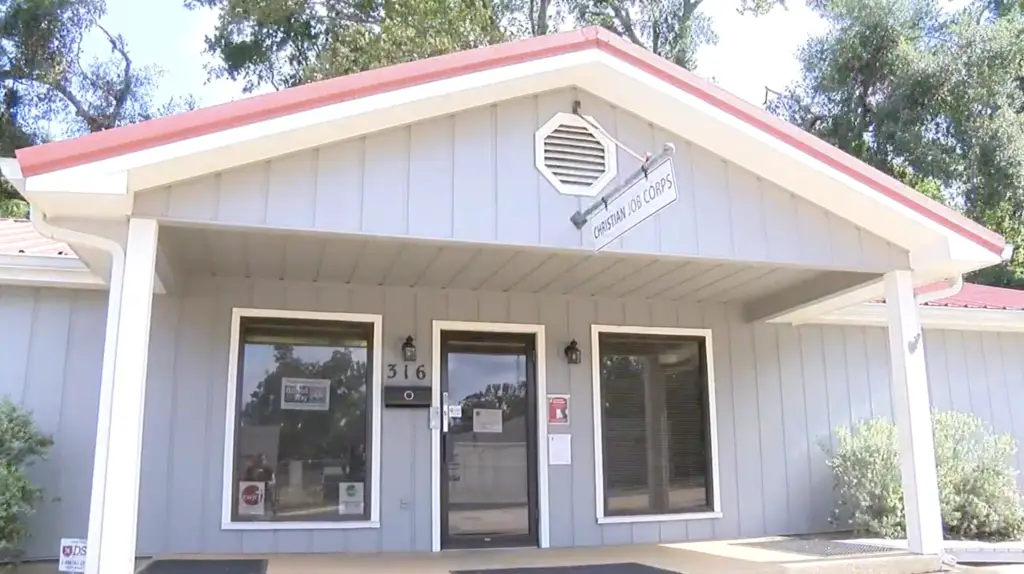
(435, 414)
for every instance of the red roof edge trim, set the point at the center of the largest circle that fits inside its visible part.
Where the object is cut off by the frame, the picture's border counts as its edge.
(101, 145)
(974, 296)
(803, 141)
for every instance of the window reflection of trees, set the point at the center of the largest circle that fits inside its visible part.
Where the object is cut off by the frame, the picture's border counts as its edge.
(336, 437)
(315, 434)
(509, 397)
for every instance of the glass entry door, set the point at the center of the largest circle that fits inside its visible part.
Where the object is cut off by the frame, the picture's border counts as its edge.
(489, 442)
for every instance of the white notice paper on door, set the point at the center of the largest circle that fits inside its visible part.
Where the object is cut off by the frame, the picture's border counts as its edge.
(487, 420)
(559, 449)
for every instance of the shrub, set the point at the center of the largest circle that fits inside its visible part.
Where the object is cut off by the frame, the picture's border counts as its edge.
(21, 444)
(977, 483)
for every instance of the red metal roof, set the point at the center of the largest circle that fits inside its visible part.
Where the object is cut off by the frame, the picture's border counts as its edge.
(18, 237)
(974, 296)
(102, 145)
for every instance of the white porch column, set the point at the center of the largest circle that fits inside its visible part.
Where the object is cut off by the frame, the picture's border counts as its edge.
(912, 411)
(114, 508)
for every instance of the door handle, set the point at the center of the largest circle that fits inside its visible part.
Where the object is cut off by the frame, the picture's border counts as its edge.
(445, 419)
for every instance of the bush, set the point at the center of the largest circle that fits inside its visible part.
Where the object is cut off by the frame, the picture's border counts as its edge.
(977, 483)
(21, 444)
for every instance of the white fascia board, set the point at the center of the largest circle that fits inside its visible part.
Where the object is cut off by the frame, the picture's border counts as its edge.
(47, 271)
(932, 317)
(860, 204)
(288, 133)
(596, 71)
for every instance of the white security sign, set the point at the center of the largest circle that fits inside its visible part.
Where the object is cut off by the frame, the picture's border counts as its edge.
(72, 555)
(350, 498)
(635, 204)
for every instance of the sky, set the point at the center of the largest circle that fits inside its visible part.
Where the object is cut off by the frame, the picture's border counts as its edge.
(751, 53)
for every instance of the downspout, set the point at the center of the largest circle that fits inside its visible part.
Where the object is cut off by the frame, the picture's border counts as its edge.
(99, 469)
(12, 172)
(953, 286)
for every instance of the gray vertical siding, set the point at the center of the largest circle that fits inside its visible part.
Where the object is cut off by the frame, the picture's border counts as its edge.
(471, 177)
(779, 391)
(51, 353)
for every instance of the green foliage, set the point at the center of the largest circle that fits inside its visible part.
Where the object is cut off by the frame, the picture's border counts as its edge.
(931, 96)
(21, 444)
(284, 43)
(977, 484)
(45, 81)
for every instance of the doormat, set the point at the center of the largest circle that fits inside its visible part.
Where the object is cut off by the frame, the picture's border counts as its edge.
(618, 568)
(172, 566)
(817, 547)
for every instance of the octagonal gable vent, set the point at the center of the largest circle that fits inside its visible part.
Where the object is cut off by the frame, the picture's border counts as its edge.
(574, 156)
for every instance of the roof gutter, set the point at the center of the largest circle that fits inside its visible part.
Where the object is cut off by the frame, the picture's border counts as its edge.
(11, 171)
(953, 286)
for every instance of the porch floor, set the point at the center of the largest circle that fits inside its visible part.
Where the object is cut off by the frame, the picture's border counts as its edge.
(689, 558)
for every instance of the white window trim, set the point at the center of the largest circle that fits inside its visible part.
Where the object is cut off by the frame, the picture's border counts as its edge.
(227, 494)
(595, 358)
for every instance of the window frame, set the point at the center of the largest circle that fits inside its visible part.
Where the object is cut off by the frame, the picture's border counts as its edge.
(599, 482)
(376, 412)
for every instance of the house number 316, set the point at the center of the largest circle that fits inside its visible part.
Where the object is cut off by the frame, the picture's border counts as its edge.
(420, 372)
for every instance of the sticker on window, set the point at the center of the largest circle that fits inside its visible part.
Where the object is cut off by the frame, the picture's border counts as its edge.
(305, 394)
(251, 498)
(350, 498)
(487, 420)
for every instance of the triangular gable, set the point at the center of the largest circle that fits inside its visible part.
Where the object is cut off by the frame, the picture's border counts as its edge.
(903, 216)
(472, 177)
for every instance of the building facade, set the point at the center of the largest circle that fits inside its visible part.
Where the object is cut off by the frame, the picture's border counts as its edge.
(359, 316)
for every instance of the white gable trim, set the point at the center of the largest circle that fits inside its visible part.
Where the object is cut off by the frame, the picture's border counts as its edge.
(323, 125)
(934, 248)
(715, 129)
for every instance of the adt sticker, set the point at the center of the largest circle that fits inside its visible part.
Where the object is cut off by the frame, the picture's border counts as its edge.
(72, 555)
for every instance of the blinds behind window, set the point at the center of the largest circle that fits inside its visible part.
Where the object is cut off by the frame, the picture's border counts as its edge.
(654, 425)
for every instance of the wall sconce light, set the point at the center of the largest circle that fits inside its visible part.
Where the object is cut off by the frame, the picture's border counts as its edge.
(573, 353)
(409, 350)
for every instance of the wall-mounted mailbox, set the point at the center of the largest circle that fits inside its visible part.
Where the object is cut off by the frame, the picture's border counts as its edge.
(406, 396)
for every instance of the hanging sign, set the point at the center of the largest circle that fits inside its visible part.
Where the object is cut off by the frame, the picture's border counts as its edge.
(647, 196)
(558, 409)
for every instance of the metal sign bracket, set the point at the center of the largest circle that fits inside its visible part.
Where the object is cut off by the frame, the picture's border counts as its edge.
(580, 218)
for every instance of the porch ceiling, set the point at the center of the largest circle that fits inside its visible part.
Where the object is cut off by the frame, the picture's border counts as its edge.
(330, 258)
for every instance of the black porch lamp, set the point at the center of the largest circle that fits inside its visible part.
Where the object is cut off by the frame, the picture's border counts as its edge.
(409, 349)
(572, 353)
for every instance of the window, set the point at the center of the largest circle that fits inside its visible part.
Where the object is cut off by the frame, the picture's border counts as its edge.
(654, 414)
(304, 420)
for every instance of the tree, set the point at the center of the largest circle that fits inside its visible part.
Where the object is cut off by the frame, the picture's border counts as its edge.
(280, 43)
(930, 96)
(673, 29)
(47, 82)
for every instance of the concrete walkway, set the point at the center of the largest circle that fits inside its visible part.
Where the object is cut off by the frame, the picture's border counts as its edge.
(690, 558)
(717, 557)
